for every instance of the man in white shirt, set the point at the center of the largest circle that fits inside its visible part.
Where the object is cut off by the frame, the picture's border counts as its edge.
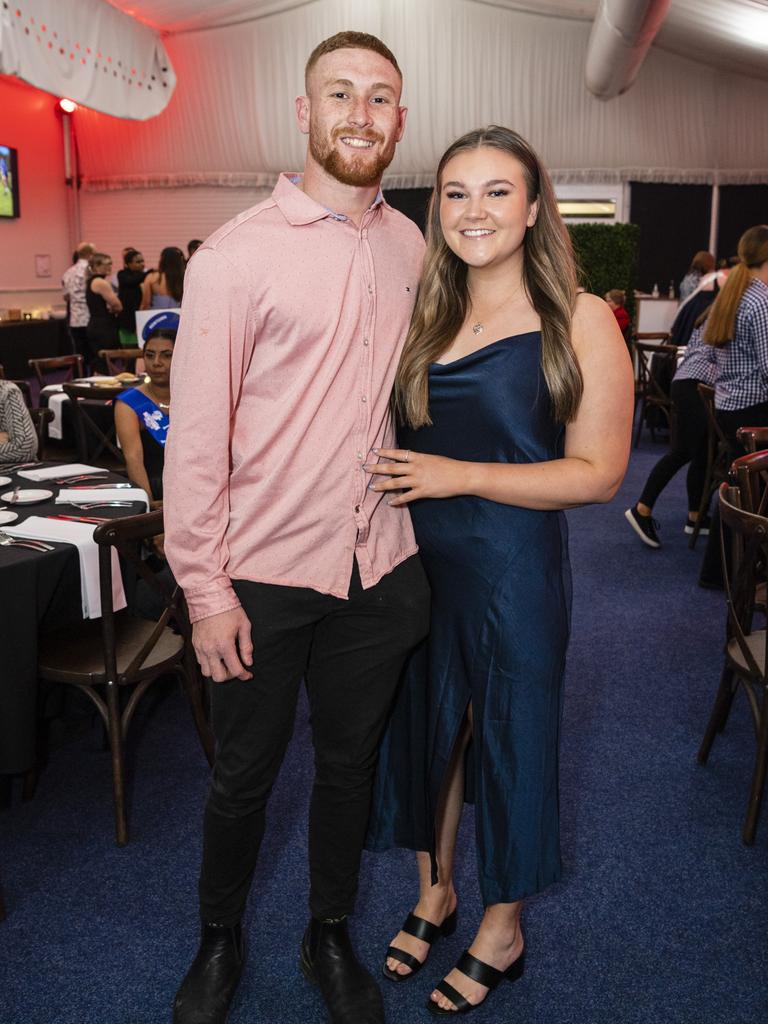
(73, 284)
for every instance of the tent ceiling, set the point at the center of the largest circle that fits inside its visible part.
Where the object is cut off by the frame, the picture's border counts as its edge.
(728, 34)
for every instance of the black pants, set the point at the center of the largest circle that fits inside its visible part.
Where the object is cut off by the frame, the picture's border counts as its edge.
(351, 654)
(689, 445)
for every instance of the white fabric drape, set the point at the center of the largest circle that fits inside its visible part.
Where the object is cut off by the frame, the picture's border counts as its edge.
(231, 121)
(89, 52)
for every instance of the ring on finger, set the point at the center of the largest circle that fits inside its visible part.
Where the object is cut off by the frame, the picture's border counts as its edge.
(407, 456)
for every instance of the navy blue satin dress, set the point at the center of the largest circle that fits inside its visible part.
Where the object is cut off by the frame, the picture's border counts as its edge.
(501, 598)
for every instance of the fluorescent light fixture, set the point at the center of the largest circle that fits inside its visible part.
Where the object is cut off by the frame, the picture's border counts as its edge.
(592, 208)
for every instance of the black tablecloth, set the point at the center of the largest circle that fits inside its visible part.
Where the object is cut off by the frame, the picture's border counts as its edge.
(38, 591)
(22, 340)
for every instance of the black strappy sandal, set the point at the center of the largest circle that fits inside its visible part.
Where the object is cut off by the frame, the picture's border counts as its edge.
(480, 972)
(419, 929)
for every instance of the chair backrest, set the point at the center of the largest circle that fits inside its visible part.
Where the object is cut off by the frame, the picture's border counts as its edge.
(742, 574)
(752, 439)
(119, 360)
(650, 359)
(751, 475)
(72, 365)
(2, 372)
(93, 417)
(707, 395)
(41, 418)
(127, 536)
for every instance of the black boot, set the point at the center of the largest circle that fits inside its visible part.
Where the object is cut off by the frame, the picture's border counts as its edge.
(209, 985)
(348, 989)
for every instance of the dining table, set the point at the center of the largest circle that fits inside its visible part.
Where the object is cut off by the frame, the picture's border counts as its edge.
(41, 586)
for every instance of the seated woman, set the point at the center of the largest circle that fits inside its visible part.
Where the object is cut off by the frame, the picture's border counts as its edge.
(18, 440)
(142, 414)
(163, 288)
(616, 299)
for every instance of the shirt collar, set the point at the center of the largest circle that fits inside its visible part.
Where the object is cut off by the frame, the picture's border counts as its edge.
(298, 208)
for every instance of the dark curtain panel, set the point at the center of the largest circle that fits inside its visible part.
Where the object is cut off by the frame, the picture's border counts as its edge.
(410, 201)
(674, 224)
(741, 207)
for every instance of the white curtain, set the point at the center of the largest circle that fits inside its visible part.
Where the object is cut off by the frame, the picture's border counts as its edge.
(231, 120)
(88, 51)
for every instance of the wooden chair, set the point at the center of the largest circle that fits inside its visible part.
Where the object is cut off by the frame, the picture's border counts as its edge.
(746, 649)
(43, 368)
(121, 651)
(654, 358)
(94, 419)
(752, 439)
(120, 359)
(41, 418)
(719, 456)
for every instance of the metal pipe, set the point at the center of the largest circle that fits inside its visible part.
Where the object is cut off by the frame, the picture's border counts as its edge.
(621, 36)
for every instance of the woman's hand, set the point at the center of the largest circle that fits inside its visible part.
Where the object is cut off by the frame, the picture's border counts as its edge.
(424, 476)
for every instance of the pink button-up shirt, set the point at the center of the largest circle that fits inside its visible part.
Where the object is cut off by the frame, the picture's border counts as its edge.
(291, 329)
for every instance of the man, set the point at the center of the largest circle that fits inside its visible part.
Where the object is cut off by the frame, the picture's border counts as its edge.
(73, 284)
(294, 317)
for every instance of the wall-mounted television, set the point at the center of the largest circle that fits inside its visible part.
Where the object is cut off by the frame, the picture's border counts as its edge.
(9, 182)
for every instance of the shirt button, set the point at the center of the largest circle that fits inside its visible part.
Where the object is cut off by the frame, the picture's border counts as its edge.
(365, 342)
(363, 399)
(370, 290)
(360, 456)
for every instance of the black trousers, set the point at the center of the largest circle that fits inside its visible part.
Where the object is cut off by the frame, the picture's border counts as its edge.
(350, 654)
(689, 445)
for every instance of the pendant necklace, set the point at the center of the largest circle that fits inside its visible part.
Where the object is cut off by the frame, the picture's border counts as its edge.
(479, 326)
(156, 400)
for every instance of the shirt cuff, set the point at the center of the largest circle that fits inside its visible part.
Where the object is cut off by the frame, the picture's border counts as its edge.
(203, 602)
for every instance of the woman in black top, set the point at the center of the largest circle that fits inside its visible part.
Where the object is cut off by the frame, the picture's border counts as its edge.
(103, 306)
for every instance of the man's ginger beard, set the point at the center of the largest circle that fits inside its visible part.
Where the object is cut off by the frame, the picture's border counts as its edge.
(357, 170)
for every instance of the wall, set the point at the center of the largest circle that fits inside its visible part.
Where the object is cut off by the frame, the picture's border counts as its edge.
(30, 124)
(150, 219)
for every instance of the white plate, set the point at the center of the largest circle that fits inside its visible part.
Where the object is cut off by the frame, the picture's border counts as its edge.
(26, 497)
(7, 517)
(4, 480)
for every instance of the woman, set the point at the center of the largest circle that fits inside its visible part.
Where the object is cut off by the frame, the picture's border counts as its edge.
(702, 263)
(103, 309)
(163, 288)
(616, 299)
(142, 414)
(18, 440)
(737, 329)
(129, 282)
(517, 399)
(689, 443)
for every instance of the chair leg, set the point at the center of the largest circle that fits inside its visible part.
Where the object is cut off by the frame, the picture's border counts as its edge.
(640, 411)
(116, 747)
(719, 715)
(758, 778)
(193, 687)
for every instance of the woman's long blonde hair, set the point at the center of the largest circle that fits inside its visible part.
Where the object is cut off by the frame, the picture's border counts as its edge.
(549, 279)
(721, 316)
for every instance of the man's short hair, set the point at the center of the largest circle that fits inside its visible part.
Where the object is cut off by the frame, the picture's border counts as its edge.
(349, 41)
(85, 250)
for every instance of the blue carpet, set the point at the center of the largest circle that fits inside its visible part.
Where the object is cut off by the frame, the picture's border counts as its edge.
(661, 917)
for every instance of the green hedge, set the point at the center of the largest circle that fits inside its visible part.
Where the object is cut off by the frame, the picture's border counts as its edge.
(607, 256)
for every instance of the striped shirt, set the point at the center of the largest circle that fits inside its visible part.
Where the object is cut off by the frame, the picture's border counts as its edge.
(16, 422)
(742, 363)
(698, 362)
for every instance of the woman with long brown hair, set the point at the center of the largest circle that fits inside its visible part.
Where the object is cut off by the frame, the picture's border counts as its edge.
(737, 327)
(515, 397)
(163, 288)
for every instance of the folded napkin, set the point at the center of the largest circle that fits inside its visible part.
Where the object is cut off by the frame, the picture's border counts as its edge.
(54, 472)
(85, 495)
(55, 427)
(81, 535)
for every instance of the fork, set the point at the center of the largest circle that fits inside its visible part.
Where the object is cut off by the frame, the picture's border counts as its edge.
(99, 504)
(22, 542)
